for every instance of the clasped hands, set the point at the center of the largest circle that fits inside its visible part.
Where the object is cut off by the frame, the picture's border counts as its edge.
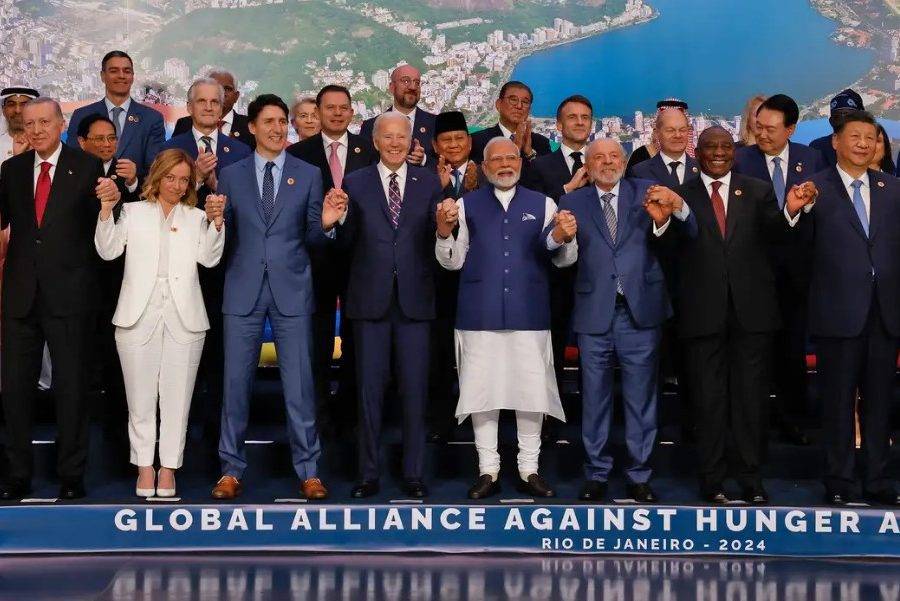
(334, 207)
(799, 196)
(215, 209)
(660, 202)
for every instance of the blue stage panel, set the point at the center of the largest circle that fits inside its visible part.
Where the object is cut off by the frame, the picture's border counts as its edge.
(526, 528)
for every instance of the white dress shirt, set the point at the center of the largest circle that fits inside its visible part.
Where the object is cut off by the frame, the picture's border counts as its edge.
(506, 133)
(343, 142)
(567, 154)
(228, 121)
(770, 164)
(385, 173)
(723, 189)
(53, 159)
(122, 118)
(213, 136)
(679, 170)
(864, 190)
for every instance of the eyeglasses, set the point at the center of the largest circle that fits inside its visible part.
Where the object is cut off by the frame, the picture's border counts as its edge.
(100, 139)
(409, 81)
(516, 101)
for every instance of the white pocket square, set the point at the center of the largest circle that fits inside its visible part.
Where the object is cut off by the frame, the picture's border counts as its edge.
(527, 217)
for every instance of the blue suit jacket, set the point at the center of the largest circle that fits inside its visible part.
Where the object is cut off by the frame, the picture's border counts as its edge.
(423, 130)
(381, 254)
(142, 137)
(279, 247)
(632, 258)
(803, 163)
(228, 151)
(842, 283)
(656, 170)
(823, 145)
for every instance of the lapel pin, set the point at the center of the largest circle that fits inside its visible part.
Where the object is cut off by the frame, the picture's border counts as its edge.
(236, 134)
(415, 179)
(693, 170)
(881, 184)
(290, 181)
(738, 192)
(357, 150)
(226, 149)
(133, 118)
(422, 129)
(799, 167)
(70, 172)
(113, 177)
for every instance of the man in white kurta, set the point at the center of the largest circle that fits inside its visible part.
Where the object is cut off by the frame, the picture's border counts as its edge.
(506, 240)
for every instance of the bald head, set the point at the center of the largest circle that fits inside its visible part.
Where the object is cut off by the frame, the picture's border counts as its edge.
(405, 87)
(605, 162)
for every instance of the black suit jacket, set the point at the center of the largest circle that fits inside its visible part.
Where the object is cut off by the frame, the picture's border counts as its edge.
(540, 144)
(548, 174)
(59, 256)
(239, 129)
(715, 274)
(360, 153)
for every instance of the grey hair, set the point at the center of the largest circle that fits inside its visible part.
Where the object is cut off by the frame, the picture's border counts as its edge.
(46, 100)
(590, 148)
(206, 81)
(391, 116)
(298, 102)
(494, 142)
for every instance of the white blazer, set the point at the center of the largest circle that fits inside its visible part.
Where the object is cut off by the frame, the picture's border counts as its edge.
(194, 241)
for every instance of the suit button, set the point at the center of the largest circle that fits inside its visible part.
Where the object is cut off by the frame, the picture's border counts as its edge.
(506, 253)
(506, 221)
(506, 271)
(506, 290)
(506, 237)
(612, 277)
(38, 241)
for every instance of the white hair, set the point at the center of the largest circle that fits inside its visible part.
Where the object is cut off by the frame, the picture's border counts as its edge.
(391, 116)
(206, 81)
(590, 148)
(45, 100)
(493, 142)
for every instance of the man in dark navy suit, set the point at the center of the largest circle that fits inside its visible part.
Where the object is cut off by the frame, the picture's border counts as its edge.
(230, 123)
(406, 88)
(784, 164)
(139, 129)
(671, 166)
(337, 153)
(513, 107)
(846, 102)
(854, 308)
(389, 224)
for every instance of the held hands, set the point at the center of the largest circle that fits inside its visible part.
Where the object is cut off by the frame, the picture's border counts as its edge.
(566, 227)
(660, 202)
(447, 217)
(579, 178)
(109, 195)
(127, 170)
(334, 207)
(215, 209)
(800, 196)
(416, 154)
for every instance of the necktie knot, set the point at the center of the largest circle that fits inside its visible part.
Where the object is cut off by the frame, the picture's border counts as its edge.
(269, 166)
(207, 143)
(607, 198)
(716, 185)
(674, 165)
(335, 146)
(576, 156)
(856, 184)
(777, 161)
(393, 178)
(45, 167)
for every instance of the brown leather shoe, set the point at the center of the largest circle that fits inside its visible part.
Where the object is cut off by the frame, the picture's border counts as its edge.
(314, 490)
(228, 487)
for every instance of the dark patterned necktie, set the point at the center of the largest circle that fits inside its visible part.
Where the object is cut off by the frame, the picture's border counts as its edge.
(577, 163)
(268, 191)
(395, 201)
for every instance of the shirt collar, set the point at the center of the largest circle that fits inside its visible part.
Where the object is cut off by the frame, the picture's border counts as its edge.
(848, 179)
(783, 155)
(567, 151)
(53, 159)
(214, 135)
(344, 140)
(707, 180)
(228, 117)
(385, 172)
(109, 105)
(666, 159)
(506, 132)
(614, 191)
(505, 194)
(260, 161)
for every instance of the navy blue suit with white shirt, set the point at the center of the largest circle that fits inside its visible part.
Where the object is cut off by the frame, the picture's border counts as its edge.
(228, 151)
(391, 301)
(268, 275)
(854, 317)
(657, 169)
(142, 130)
(620, 305)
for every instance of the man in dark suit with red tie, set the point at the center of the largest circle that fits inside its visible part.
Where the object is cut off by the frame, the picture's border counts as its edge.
(337, 153)
(853, 230)
(231, 123)
(49, 197)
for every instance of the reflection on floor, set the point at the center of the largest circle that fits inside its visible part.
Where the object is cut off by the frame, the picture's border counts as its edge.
(432, 577)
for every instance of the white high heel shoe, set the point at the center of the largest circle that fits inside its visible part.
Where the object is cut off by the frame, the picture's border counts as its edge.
(164, 492)
(144, 492)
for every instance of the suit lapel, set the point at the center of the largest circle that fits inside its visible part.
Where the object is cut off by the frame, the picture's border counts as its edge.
(845, 203)
(132, 121)
(253, 182)
(595, 206)
(409, 192)
(354, 155)
(735, 207)
(660, 171)
(288, 184)
(798, 171)
(701, 204)
(878, 204)
(63, 181)
(623, 211)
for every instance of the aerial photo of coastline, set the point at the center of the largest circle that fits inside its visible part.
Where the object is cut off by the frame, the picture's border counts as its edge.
(623, 54)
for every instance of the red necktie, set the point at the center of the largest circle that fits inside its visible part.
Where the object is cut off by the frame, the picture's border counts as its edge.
(718, 206)
(42, 192)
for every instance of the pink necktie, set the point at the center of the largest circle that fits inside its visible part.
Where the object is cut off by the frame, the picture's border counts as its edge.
(334, 163)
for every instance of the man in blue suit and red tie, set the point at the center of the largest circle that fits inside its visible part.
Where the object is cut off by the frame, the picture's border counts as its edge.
(273, 213)
(854, 307)
(389, 223)
(139, 128)
(620, 305)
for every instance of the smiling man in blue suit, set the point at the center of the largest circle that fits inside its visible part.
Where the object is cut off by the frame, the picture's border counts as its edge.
(139, 128)
(273, 213)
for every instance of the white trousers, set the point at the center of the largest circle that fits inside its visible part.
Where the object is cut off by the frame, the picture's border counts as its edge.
(159, 360)
(528, 431)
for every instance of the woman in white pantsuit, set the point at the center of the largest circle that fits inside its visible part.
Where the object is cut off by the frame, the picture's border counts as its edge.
(160, 318)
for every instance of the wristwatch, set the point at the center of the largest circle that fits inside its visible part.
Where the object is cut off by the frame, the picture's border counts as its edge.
(530, 156)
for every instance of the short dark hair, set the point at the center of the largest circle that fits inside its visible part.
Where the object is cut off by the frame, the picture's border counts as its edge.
(515, 84)
(332, 88)
(854, 116)
(576, 98)
(783, 104)
(114, 54)
(84, 126)
(262, 101)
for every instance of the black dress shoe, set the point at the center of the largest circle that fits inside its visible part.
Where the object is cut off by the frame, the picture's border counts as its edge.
(415, 489)
(366, 488)
(642, 493)
(886, 496)
(593, 491)
(484, 487)
(755, 495)
(716, 497)
(836, 498)
(71, 490)
(535, 486)
(14, 490)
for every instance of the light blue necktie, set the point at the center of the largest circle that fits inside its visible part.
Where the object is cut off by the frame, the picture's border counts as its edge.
(859, 206)
(116, 113)
(268, 191)
(778, 181)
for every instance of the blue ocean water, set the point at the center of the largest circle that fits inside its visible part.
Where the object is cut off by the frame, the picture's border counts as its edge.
(712, 53)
